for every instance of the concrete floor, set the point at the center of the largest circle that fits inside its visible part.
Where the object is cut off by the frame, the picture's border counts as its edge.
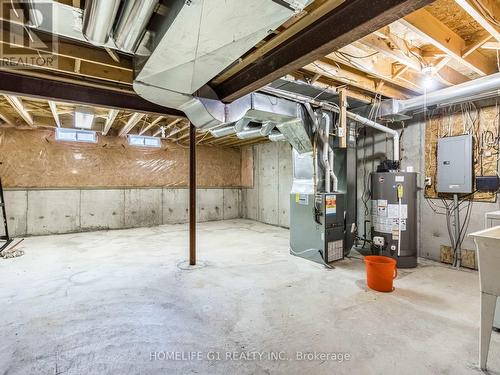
(109, 302)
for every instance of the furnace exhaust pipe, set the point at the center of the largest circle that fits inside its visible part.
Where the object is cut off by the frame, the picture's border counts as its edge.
(334, 108)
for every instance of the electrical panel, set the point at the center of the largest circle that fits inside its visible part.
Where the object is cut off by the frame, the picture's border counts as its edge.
(454, 164)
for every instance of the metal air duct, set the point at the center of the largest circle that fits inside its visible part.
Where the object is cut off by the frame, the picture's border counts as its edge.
(131, 25)
(223, 131)
(98, 19)
(276, 137)
(479, 88)
(194, 42)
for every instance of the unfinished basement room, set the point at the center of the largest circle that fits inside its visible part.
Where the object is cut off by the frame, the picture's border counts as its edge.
(249, 187)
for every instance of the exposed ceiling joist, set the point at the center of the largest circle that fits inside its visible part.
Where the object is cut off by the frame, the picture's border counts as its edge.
(7, 119)
(353, 20)
(131, 123)
(18, 106)
(168, 126)
(491, 45)
(112, 114)
(53, 109)
(442, 37)
(151, 124)
(353, 78)
(14, 35)
(388, 47)
(479, 15)
(477, 41)
(377, 68)
(329, 84)
(175, 132)
(37, 87)
(301, 24)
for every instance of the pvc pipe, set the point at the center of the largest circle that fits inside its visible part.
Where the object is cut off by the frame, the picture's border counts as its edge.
(335, 108)
(382, 128)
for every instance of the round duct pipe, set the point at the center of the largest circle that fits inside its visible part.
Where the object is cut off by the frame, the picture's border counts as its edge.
(276, 137)
(98, 19)
(132, 23)
(249, 133)
(223, 131)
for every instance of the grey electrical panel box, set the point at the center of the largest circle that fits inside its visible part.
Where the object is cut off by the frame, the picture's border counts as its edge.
(454, 164)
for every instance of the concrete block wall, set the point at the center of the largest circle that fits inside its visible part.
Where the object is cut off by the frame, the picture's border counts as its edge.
(41, 212)
(268, 200)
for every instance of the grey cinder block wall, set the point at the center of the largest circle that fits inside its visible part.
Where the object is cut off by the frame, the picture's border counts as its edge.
(41, 212)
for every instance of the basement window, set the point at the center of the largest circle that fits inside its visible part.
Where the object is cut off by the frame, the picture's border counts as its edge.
(142, 141)
(75, 135)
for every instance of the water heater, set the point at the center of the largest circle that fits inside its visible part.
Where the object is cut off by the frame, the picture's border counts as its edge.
(394, 216)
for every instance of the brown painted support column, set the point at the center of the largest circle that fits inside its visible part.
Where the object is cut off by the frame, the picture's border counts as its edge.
(192, 195)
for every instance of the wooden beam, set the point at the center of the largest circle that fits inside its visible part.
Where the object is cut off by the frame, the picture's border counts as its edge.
(491, 45)
(492, 7)
(349, 22)
(18, 106)
(301, 24)
(342, 119)
(7, 119)
(329, 84)
(151, 124)
(78, 64)
(43, 87)
(110, 120)
(377, 68)
(53, 109)
(180, 130)
(477, 41)
(113, 54)
(13, 35)
(441, 36)
(398, 69)
(131, 123)
(315, 78)
(354, 78)
(389, 48)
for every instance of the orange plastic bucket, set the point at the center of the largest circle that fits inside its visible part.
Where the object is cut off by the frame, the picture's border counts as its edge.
(380, 272)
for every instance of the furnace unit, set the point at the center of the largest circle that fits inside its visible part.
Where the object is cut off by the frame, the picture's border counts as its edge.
(318, 226)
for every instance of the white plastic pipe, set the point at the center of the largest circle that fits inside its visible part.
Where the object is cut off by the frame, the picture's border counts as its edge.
(382, 128)
(334, 108)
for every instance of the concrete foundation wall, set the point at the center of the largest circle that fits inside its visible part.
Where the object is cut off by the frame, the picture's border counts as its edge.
(431, 225)
(268, 200)
(40, 212)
